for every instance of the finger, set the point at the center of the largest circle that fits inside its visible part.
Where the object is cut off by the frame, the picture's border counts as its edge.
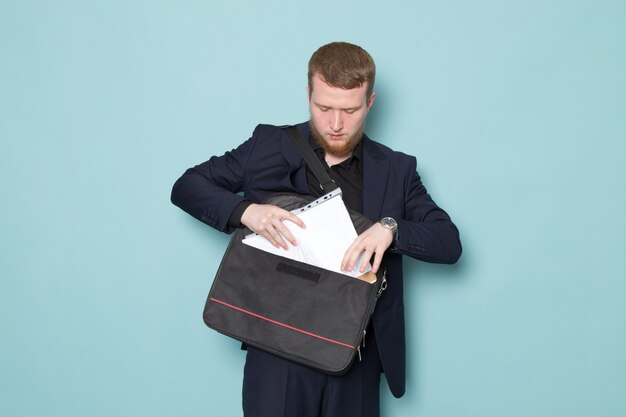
(354, 255)
(378, 258)
(266, 234)
(286, 233)
(276, 237)
(346, 256)
(365, 260)
(294, 219)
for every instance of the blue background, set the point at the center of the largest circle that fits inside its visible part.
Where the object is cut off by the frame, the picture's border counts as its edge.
(516, 111)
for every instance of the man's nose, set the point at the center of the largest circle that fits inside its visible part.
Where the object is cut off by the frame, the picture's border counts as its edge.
(336, 121)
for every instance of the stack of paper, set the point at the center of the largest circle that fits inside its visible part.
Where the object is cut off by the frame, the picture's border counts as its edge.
(328, 234)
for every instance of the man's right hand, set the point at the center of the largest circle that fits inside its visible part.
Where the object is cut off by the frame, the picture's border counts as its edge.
(267, 221)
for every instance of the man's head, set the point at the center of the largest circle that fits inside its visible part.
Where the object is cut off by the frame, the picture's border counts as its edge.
(340, 90)
(343, 65)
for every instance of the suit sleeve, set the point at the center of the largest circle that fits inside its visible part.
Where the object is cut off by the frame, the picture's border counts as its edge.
(426, 232)
(209, 191)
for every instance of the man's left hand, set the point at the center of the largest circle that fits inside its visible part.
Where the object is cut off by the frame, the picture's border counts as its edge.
(374, 241)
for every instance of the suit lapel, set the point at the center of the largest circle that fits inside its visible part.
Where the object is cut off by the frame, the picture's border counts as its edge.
(292, 155)
(375, 170)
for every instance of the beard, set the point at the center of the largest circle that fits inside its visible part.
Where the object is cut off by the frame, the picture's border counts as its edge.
(339, 149)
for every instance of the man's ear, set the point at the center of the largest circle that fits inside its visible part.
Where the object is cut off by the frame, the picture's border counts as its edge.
(308, 93)
(370, 101)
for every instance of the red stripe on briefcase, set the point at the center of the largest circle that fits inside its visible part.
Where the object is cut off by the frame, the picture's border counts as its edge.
(281, 324)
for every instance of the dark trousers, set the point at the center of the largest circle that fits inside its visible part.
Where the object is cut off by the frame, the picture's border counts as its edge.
(275, 387)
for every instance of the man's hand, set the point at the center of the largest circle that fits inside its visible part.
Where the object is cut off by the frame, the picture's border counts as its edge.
(374, 241)
(267, 220)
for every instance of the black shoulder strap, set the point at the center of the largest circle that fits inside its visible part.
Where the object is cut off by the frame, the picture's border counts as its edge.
(326, 183)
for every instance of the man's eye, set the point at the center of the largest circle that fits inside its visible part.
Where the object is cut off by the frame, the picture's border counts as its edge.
(350, 111)
(324, 109)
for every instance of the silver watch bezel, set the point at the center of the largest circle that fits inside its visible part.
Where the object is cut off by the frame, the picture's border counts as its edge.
(391, 224)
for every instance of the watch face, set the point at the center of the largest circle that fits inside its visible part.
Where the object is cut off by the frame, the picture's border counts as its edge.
(389, 223)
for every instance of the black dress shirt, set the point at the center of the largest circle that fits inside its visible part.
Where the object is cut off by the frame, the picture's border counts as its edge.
(348, 175)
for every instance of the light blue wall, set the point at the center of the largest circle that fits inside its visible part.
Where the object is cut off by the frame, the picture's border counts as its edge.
(516, 111)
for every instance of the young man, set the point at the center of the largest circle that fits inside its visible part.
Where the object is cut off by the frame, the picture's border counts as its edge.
(376, 181)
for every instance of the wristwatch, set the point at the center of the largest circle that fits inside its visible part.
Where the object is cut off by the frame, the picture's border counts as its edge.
(391, 224)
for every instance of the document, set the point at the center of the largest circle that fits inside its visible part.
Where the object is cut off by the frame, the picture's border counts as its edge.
(328, 234)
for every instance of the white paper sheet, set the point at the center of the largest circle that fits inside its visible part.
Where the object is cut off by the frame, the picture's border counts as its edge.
(328, 234)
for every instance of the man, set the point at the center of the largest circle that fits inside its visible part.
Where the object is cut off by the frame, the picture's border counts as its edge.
(376, 181)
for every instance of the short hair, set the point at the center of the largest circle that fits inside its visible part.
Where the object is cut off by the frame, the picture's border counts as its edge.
(343, 65)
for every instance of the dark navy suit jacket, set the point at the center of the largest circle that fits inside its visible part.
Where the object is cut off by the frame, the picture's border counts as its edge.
(269, 162)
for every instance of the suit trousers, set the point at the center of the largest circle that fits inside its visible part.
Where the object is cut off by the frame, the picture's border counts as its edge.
(276, 387)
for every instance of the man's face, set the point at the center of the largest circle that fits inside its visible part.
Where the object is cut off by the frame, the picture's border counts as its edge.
(338, 116)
